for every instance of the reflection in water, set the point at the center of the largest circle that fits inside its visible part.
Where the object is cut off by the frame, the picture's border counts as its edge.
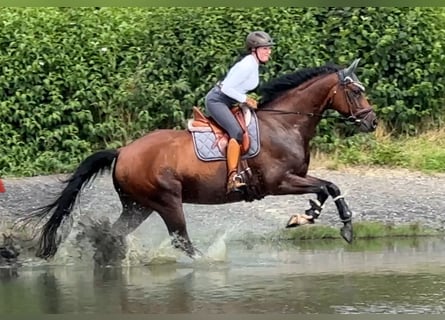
(48, 286)
(389, 278)
(8, 273)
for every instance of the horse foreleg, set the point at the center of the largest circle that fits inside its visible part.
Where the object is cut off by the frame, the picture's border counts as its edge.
(316, 206)
(294, 184)
(343, 210)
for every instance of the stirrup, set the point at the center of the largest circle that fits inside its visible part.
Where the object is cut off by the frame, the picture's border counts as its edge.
(236, 183)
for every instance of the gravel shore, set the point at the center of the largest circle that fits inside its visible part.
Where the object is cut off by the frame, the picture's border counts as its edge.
(373, 194)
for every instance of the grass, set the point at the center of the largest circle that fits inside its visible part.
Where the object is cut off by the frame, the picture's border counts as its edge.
(424, 152)
(368, 236)
(362, 230)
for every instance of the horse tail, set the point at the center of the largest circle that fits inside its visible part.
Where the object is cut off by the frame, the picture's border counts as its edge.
(87, 171)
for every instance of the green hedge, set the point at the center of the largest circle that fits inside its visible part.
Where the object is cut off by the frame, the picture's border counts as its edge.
(74, 80)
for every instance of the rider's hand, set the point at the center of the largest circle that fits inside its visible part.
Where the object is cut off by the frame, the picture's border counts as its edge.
(251, 102)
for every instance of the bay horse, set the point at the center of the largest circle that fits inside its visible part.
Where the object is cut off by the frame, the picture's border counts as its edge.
(160, 170)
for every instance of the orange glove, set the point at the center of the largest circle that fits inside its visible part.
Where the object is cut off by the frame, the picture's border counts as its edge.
(251, 102)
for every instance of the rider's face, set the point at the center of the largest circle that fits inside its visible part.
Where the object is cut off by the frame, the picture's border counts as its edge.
(263, 53)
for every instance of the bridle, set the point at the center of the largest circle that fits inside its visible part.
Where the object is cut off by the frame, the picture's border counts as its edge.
(352, 96)
(344, 81)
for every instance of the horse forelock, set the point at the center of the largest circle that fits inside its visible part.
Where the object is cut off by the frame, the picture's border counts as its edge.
(278, 86)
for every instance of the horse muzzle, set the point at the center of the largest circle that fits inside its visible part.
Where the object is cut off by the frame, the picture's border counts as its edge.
(366, 120)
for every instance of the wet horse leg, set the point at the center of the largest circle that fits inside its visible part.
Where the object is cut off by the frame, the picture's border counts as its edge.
(133, 214)
(294, 184)
(168, 204)
(111, 245)
(171, 212)
(174, 219)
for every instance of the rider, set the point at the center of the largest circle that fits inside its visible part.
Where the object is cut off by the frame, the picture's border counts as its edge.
(242, 77)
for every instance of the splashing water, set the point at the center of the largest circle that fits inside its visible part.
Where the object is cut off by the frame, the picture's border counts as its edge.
(87, 240)
(142, 254)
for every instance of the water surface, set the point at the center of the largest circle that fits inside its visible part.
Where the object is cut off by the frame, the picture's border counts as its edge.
(384, 276)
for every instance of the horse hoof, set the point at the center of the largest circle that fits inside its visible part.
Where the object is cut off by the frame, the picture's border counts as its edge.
(299, 220)
(346, 232)
(196, 254)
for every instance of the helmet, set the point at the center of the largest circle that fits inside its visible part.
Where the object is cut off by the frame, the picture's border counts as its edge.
(257, 39)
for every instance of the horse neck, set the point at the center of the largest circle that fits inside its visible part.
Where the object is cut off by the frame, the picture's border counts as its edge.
(312, 96)
(309, 98)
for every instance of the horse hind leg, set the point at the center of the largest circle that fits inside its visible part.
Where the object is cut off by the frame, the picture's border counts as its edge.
(132, 216)
(174, 219)
(171, 212)
(110, 245)
(169, 207)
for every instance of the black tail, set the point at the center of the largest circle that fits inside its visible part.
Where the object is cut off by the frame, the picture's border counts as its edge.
(63, 205)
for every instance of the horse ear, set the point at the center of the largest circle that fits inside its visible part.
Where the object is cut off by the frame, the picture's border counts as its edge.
(350, 70)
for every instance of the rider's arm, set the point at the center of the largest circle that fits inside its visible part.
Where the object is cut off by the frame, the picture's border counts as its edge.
(241, 78)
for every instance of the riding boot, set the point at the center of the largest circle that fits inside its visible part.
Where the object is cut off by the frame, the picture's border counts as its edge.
(234, 181)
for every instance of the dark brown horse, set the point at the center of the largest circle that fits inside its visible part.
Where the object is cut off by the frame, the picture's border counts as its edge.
(160, 171)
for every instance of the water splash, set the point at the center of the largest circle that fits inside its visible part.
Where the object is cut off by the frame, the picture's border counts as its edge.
(88, 241)
(217, 251)
(142, 254)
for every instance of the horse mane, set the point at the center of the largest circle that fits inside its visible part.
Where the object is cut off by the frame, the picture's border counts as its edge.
(276, 87)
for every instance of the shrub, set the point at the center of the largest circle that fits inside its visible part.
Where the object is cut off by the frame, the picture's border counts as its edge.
(75, 80)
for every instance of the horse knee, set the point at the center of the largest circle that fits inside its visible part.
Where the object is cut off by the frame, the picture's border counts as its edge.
(333, 190)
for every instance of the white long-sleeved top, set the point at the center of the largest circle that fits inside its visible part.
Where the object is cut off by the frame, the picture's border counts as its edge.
(241, 78)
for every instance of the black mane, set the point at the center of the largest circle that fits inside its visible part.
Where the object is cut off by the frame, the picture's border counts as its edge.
(274, 88)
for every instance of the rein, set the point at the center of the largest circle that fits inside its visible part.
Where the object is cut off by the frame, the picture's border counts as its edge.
(310, 114)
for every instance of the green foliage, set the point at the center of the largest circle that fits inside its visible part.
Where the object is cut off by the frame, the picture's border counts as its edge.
(425, 152)
(75, 80)
(62, 85)
(403, 62)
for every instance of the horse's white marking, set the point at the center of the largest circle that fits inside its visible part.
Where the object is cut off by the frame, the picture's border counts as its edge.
(338, 197)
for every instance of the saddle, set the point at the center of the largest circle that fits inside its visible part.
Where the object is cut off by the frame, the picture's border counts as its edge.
(200, 123)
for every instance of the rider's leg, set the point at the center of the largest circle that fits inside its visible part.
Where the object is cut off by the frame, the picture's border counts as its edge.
(234, 181)
(218, 107)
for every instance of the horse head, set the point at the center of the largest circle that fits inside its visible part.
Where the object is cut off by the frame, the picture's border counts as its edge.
(302, 93)
(348, 98)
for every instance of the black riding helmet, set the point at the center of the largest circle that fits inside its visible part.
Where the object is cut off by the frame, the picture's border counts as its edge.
(258, 39)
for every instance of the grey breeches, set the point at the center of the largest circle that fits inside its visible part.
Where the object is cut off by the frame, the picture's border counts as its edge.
(218, 107)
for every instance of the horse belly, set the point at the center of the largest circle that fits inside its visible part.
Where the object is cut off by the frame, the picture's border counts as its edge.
(204, 182)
